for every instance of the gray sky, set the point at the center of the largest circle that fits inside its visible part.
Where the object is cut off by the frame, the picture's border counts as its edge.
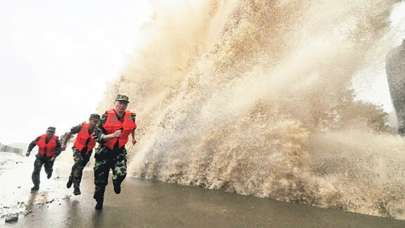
(56, 58)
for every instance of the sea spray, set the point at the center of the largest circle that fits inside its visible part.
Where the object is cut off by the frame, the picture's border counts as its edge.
(255, 97)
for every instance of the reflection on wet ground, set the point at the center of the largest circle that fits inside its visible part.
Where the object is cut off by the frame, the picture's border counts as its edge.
(148, 204)
(151, 204)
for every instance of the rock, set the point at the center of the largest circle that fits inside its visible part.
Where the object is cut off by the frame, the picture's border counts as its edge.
(11, 218)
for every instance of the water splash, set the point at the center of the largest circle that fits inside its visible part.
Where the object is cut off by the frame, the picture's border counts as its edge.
(255, 97)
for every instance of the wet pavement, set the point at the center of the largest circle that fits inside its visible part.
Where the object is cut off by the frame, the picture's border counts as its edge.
(155, 204)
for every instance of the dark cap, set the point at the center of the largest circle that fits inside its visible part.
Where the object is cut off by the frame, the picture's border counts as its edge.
(123, 98)
(95, 116)
(51, 129)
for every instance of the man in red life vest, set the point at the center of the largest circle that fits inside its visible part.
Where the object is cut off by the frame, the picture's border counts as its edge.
(82, 149)
(113, 133)
(49, 148)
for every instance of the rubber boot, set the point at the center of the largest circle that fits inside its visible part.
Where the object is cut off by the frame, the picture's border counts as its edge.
(76, 191)
(117, 187)
(70, 182)
(35, 188)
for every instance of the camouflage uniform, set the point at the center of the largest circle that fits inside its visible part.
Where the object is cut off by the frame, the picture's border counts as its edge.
(80, 161)
(80, 158)
(47, 162)
(106, 159)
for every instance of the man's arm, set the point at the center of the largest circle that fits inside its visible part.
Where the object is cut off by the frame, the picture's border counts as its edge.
(100, 134)
(133, 131)
(133, 137)
(99, 130)
(58, 148)
(74, 130)
(31, 146)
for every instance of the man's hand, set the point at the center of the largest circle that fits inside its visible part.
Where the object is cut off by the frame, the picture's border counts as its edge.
(63, 148)
(117, 133)
(28, 153)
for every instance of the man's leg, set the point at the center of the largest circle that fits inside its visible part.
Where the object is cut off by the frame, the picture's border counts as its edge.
(119, 170)
(36, 174)
(78, 171)
(75, 161)
(101, 170)
(48, 165)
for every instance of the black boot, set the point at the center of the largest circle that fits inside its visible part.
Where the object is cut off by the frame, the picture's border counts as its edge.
(70, 182)
(76, 191)
(117, 187)
(99, 196)
(99, 205)
(49, 175)
(35, 188)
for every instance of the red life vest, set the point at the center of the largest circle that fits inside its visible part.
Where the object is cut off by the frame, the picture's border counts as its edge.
(47, 149)
(112, 124)
(84, 139)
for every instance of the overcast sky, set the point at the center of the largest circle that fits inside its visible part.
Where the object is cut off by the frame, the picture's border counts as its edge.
(56, 58)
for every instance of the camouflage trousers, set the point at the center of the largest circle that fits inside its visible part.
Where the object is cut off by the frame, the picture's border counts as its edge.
(39, 161)
(80, 161)
(107, 159)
